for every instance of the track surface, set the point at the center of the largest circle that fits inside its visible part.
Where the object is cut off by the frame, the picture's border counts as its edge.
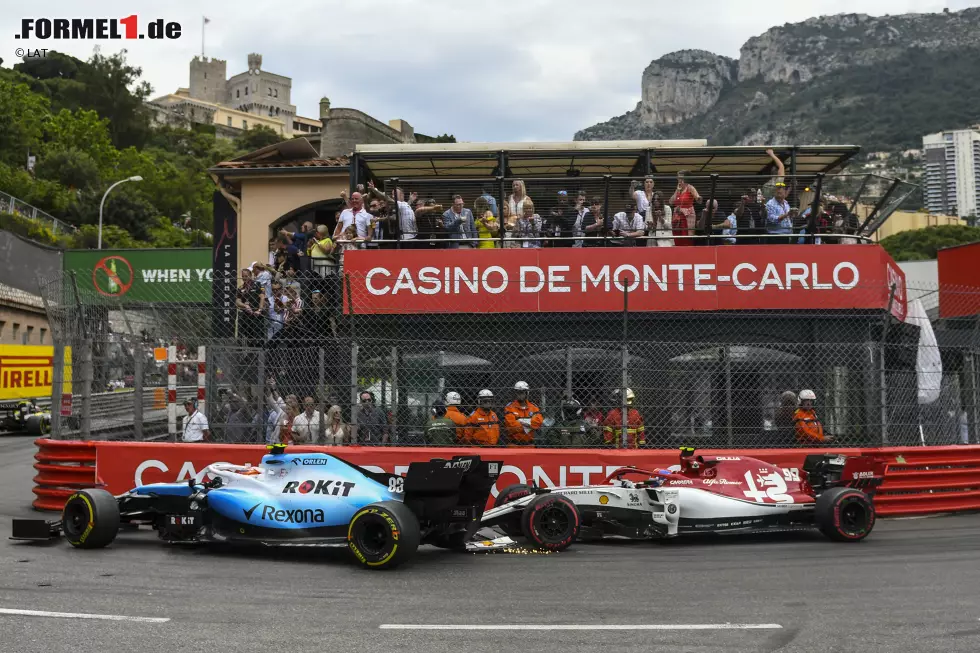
(912, 586)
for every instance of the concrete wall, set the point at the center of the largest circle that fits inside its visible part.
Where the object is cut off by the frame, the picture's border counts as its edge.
(345, 128)
(21, 261)
(264, 201)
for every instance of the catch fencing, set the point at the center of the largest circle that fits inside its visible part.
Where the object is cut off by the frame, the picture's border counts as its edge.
(719, 379)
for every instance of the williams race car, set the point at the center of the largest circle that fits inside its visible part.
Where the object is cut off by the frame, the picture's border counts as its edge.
(308, 499)
(703, 494)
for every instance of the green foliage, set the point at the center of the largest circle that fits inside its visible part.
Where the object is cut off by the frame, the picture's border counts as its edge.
(46, 195)
(22, 117)
(922, 244)
(30, 229)
(71, 167)
(81, 130)
(113, 237)
(257, 137)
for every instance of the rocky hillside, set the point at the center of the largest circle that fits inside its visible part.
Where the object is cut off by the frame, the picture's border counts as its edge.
(878, 82)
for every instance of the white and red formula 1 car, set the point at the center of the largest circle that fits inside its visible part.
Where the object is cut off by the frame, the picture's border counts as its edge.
(703, 494)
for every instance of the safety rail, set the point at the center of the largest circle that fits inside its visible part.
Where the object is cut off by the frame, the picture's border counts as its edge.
(925, 480)
(930, 480)
(108, 407)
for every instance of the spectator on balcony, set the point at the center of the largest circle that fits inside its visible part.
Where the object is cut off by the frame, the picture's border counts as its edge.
(627, 226)
(528, 226)
(658, 224)
(336, 431)
(643, 197)
(407, 227)
(779, 215)
(307, 427)
(351, 214)
(276, 310)
(457, 223)
(729, 226)
(248, 299)
(321, 249)
(429, 217)
(581, 209)
(683, 199)
(488, 197)
(561, 222)
(593, 224)
(372, 422)
(293, 306)
(273, 251)
(368, 227)
(487, 226)
(288, 255)
(300, 238)
(515, 203)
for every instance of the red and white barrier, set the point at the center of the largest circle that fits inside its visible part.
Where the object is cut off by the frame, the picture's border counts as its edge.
(172, 407)
(918, 480)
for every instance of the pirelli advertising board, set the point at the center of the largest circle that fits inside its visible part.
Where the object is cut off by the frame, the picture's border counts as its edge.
(27, 372)
(156, 276)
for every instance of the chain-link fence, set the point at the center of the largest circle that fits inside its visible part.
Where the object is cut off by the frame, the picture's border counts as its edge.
(307, 363)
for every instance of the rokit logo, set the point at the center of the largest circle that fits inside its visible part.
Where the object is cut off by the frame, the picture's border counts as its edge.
(459, 464)
(328, 487)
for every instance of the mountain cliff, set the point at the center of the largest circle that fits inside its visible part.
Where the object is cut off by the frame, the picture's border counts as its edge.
(850, 78)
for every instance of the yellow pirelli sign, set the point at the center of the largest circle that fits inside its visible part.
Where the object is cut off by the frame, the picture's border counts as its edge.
(27, 371)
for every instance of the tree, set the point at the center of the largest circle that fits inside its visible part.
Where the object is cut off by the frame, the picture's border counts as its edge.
(256, 138)
(22, 117)
(70, 167)
(114, 90)
(82, 130)
(922, 244)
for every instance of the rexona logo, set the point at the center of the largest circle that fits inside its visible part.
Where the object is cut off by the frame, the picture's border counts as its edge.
(310, 461)
(332, 488)
(298, 516)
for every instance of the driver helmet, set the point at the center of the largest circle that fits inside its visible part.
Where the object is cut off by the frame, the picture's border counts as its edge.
(453, 399)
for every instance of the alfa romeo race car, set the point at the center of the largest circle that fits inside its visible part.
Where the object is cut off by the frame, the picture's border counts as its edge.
(25, 416)
(703, 494)
(293, 499)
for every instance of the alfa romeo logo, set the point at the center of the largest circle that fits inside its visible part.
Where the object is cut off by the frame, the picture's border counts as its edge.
(112, 276)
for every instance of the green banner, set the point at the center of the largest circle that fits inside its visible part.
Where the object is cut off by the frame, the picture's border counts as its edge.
(142, 275)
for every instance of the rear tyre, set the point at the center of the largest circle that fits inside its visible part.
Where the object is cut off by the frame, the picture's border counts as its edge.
(551, 522)
(383, 535)
(90, 519)
(844, 514)
(511, 493)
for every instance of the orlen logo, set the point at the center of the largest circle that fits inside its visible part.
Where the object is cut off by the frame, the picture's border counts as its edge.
(96, 28)
(332, 488)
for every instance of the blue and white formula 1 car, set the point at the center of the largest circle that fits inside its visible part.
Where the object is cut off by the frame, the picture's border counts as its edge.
(293, 499)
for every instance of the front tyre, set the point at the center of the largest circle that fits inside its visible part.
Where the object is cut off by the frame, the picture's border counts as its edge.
(844, 514)
(551, 522)
(90, 519)
(383, 535)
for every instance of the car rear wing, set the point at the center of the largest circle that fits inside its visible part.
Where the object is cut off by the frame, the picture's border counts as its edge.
(838, 470)
(454, 490)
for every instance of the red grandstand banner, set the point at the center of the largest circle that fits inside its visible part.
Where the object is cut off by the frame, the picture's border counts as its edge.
(124, 465)
(776, 277)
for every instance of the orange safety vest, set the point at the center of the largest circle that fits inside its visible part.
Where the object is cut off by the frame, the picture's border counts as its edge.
(459, 419)
(516, 435)
(612, 431)
(483, 428)
(809, 430)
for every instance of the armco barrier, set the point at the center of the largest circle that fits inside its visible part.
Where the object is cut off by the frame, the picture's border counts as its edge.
(62, 468)
(928, 480)
(917, 480)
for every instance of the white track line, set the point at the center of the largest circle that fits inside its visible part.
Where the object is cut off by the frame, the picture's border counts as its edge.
(579, 626)
(81, 615)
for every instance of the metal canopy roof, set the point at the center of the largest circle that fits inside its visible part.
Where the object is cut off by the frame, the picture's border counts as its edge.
(591, 158)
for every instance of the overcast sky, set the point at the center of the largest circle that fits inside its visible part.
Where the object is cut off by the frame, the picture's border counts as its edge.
(505, 71)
